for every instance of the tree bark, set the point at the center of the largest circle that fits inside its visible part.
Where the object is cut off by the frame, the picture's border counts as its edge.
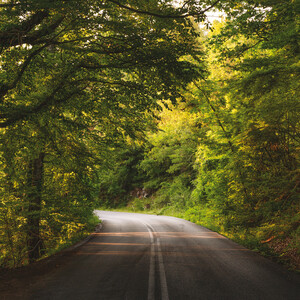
(35, 184)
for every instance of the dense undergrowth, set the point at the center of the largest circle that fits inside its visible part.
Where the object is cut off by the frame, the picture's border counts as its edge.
(56, 235)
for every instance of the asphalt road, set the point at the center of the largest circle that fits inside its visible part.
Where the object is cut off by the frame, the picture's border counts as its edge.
(155, 257)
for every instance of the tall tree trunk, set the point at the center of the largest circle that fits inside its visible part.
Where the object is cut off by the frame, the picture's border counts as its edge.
(35, 183)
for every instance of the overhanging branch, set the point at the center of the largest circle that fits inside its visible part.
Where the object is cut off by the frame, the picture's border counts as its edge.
(169, 16)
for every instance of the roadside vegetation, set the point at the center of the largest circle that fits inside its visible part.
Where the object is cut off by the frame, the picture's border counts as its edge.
(132, 105)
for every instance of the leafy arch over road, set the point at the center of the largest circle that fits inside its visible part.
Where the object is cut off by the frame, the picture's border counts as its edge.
(81, 79)
(90, 44)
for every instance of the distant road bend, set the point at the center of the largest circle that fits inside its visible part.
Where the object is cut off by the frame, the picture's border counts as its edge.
(148, 257)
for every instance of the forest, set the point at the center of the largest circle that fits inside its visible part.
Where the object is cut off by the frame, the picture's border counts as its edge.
(149, 106)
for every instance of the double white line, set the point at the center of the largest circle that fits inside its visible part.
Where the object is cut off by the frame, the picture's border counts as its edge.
(161, 268)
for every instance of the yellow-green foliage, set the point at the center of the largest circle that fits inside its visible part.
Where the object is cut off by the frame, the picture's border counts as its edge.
(12, 233)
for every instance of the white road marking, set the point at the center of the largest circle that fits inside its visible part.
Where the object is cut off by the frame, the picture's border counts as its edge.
(162, 274)
(151, 282)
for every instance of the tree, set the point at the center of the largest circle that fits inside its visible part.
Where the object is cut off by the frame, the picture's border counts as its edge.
(167, 166)
(252, 96)
(77, 79)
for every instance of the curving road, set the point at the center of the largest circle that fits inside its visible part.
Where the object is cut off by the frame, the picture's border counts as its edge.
(155, 257)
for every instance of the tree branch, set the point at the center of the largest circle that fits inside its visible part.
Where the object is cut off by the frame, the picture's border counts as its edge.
(23, 114)
(20, 37)
(5, 88)
(13, 36)
(170, 16)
